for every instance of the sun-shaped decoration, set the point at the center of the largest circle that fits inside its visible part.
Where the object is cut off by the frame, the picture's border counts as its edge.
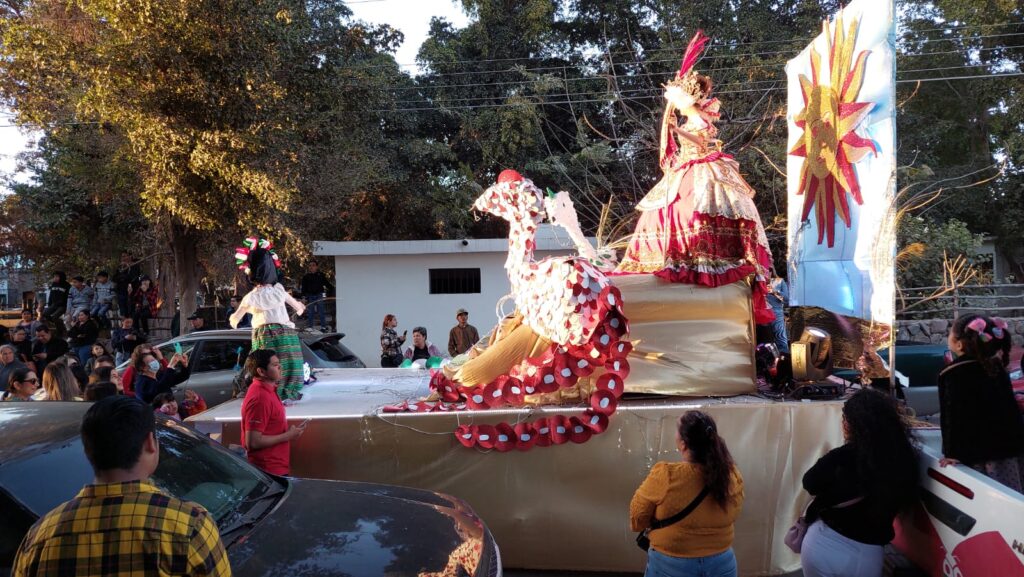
(831, 114)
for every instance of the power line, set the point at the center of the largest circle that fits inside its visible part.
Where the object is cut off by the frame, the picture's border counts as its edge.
(639, 75)
(770, 64)
(651, 93)
(718, 88)
(612, 97)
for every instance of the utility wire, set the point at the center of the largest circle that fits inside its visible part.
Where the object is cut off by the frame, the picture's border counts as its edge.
(709, 71)
(612, 97)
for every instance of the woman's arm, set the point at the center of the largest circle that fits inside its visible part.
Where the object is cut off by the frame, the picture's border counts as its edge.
(647, 497)
(693, 138)
(237, 316)
(822, 474)
(288, 298)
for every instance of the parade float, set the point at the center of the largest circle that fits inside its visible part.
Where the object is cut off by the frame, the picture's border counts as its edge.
(547, 426)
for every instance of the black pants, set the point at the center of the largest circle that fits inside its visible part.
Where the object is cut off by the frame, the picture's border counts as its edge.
(141, 317)
(391, 361)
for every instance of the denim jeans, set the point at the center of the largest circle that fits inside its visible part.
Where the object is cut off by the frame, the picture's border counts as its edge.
(99, 312)
(719, 565)
(826, 553)
(315, 307)
(83, 353)
(779, 332)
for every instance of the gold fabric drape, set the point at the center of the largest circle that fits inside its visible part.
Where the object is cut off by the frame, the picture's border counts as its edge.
(566, 507)
(687, 339)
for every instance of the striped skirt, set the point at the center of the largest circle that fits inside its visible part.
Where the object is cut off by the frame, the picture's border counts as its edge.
(285, 342)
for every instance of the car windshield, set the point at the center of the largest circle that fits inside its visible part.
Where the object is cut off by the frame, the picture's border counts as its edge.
(191, 468)
(167, 349)
(194, 469)
(331, 349)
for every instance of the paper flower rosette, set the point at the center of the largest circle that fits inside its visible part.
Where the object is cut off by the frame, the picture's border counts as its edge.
(599, 365)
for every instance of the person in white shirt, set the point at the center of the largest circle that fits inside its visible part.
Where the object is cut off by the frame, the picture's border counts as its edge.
(271, 327)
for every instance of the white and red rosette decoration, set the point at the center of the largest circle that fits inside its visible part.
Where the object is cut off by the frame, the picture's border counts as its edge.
(603, 359)
(568, 302)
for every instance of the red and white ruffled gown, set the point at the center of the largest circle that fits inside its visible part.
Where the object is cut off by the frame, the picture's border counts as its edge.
(699, 223)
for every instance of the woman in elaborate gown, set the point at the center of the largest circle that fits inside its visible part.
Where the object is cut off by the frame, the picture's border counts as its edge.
(699, 224)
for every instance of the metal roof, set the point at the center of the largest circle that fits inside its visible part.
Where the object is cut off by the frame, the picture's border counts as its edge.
(549, 238)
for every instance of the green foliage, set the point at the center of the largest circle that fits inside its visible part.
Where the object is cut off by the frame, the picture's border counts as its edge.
(925, 245)
(214, 118)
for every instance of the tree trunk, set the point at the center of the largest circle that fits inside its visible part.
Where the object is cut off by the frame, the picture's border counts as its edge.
(183, 246)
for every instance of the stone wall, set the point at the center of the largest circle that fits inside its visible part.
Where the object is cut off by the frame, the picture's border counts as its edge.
(934, 331)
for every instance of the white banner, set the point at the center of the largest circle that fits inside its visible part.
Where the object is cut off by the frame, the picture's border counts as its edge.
(842, 165)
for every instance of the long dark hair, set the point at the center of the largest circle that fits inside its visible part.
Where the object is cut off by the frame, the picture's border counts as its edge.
(885, 453)
(989, 346)
(17, 376)
(700, 433)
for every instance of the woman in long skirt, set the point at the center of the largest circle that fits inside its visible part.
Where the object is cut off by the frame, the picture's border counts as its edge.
(271, 326)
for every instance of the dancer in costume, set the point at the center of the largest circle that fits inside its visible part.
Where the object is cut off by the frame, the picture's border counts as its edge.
(271, 327)
(699, 224)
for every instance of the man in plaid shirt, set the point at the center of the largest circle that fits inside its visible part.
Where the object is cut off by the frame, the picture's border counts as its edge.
(122, 525)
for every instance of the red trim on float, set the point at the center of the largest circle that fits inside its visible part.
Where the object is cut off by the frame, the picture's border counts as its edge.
(950, 483)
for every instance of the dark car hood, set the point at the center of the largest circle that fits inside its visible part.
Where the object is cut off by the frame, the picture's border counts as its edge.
(340, 528)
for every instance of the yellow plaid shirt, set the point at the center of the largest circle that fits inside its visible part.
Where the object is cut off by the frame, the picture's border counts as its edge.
(123, 530)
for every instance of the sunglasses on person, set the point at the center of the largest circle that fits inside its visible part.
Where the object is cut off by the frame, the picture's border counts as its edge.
(33, 381)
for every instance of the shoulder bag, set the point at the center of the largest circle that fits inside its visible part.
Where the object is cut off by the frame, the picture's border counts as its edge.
(643, 539)
(795, 536)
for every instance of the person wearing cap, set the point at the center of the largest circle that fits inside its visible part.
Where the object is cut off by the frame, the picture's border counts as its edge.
(198, 323)
(463, 335)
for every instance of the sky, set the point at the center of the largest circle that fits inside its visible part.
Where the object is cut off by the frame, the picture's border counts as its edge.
(412, 17)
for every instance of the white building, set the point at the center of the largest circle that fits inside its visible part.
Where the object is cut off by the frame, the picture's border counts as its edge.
(423, 283)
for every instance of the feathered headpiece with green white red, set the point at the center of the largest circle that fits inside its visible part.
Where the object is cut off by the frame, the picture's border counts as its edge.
(248, 245)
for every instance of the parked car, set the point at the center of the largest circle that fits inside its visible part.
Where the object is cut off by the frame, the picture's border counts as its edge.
(270, 525)
(966, 523)
(215, 357)
(921, 365)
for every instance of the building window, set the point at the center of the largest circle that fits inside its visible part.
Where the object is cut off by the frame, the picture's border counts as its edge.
(447, 281)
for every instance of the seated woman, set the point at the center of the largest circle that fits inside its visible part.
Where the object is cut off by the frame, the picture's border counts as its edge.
(701, 543)
(858, 489)
(699, 224)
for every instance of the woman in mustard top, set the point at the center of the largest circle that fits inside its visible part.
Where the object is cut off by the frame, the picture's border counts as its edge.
(701, 544)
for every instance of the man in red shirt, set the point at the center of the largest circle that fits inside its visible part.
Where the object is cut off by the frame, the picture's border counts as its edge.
(266, 435)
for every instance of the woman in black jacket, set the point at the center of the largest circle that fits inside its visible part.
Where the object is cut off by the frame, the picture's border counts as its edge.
(151, 378)
(82, 336)
(981, 423)
(858, 489)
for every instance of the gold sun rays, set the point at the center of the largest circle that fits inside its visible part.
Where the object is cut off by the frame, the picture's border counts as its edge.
(829, 142)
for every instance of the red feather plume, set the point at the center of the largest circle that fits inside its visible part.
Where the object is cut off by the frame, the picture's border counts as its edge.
(693, 52)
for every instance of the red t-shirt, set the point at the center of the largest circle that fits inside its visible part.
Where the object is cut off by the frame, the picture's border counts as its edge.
(263, 411)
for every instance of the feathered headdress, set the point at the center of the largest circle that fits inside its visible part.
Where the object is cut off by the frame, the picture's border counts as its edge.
(693, 53)
(250, 244)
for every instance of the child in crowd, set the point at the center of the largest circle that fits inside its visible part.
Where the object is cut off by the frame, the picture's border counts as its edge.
(271, 326)
(193, 404)
(104, 298)
(981, 424)
(98, 350)
(166, 404)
